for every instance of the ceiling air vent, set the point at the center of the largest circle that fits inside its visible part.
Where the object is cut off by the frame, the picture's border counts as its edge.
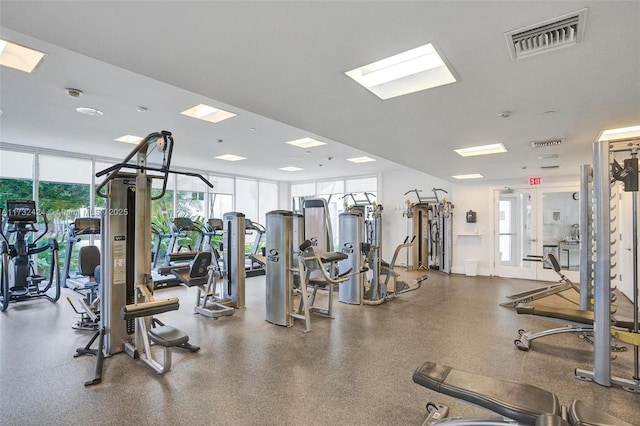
(546, 143)
(563, 31)
(549, 167)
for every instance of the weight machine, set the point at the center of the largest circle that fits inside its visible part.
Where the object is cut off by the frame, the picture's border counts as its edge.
(83, 281)
(126, 292)
(430, 221)
(361, 237)
(606, 171)
(19, 279)
(293, 267)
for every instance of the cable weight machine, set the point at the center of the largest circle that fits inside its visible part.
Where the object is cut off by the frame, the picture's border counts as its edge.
(430, 222)
(127, 302)
(606, 171)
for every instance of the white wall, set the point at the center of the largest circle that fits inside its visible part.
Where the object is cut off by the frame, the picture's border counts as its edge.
(470, 240)
(391, 189)
(479, 198)
(473, 240)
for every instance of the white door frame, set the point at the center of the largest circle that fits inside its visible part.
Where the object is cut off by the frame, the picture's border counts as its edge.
(536, 271)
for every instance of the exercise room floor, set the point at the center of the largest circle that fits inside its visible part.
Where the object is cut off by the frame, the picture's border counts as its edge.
(354, 370)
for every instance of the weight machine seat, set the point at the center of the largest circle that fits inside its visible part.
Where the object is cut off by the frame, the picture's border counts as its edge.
(520, 402)
(88, 259)
(568, 314)
(580, 414)
(198, 272)
(333, 256)
(168, 336)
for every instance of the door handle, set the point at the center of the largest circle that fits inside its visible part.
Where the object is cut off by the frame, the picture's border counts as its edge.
(533, 241)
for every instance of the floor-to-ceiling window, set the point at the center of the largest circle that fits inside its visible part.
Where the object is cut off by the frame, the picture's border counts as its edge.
(334, 191)
(64, 193)
(221, 196)
(16, 176)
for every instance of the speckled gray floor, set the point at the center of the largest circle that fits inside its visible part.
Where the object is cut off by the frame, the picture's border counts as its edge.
(355, 369)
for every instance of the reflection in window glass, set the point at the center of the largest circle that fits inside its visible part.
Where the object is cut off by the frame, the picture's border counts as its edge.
(64, 189)
(247, 197)
(222, 184)
(330, 187)
(190, 199)
(219, 204)
(369, 184)
(268, 200)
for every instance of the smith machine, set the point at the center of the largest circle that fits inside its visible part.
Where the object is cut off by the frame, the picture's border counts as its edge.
(127, 302)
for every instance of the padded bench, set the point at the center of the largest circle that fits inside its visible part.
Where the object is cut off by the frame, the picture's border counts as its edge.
(581, 414)
(567, 314)
(524, 403)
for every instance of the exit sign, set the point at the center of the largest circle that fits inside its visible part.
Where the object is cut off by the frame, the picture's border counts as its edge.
(535, 180)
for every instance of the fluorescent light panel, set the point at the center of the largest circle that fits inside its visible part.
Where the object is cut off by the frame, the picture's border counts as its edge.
(621, 133)
(470, 176)
(407, 72)
(291, 169)
(306, 143)
(495, 148)
(129, 139)
(360, 159)
(230, 157)
(208, 113)
(19, 57)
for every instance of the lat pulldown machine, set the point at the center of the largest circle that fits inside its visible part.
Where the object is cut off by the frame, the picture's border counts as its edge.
(127, 302)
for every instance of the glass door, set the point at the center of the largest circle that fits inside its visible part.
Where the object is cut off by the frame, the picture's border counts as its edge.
(515, 233)
(559, 233)
(535, 222)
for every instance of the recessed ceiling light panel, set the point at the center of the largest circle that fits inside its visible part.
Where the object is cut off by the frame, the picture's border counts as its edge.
(208, 113)
(230, 157)
(407, 72)
(472, 151)
(619, 134)
(129, 139)
(548, 156)
(470, 176)
(306, 143)
(19, 57)
(291, 169)
(90, 111)
(360, 159)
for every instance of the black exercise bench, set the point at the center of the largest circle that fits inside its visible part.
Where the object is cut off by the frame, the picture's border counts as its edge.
(526, 404)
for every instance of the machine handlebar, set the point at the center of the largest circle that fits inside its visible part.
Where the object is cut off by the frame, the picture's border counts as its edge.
(1, 226)
(164, 141)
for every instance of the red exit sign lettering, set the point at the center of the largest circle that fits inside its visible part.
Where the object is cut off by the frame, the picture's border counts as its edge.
(535, 180)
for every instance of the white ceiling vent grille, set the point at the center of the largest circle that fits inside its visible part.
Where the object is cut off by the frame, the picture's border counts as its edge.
(547, 143)
(563, 31)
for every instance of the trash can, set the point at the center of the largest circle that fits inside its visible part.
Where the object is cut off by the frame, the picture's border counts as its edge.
(471, 267)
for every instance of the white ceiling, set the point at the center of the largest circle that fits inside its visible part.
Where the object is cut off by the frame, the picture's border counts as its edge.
(280, 66)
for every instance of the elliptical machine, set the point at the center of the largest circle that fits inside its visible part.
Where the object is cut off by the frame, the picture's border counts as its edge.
(20, 279)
